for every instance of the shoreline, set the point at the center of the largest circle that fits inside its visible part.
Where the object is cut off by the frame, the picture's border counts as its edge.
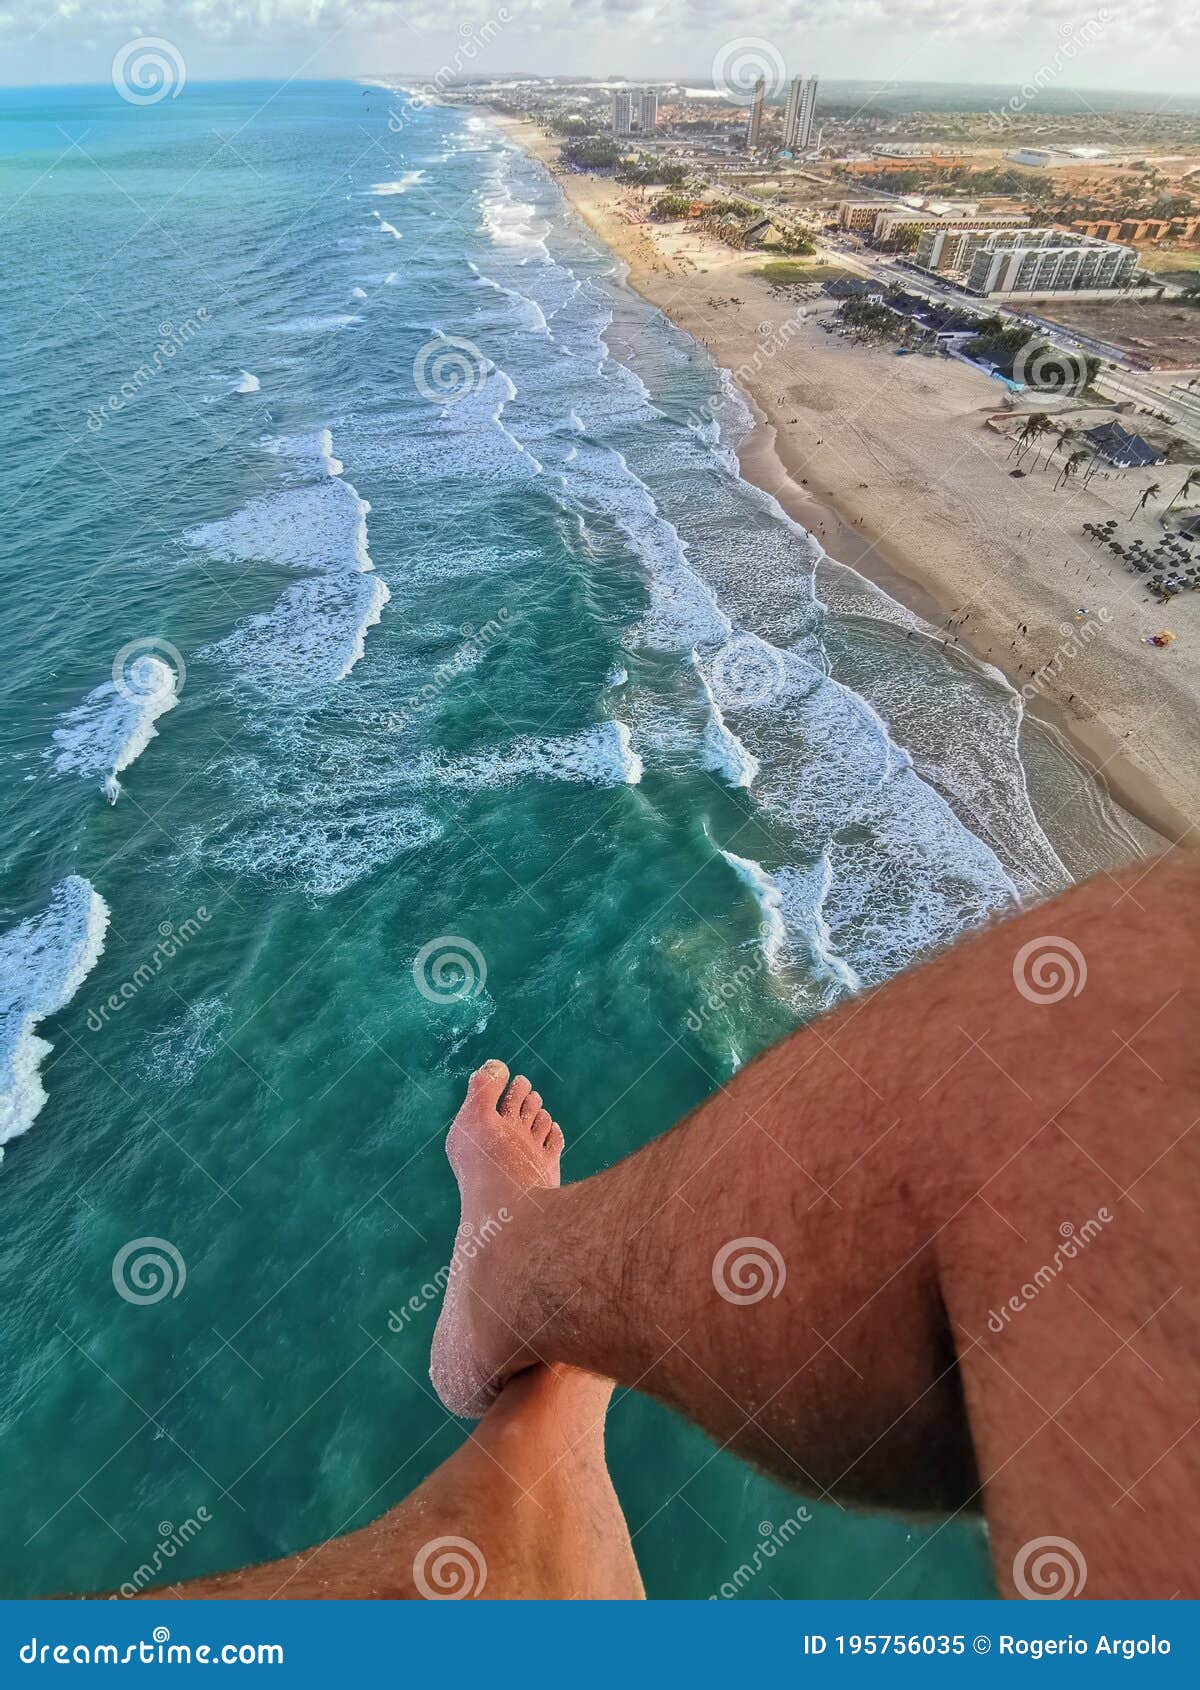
(901, 553)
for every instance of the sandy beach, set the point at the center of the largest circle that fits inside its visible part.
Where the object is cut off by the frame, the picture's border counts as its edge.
(892, 462)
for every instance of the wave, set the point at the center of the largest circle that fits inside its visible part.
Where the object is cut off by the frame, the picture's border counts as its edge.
(358, 293)
(407, 181)
(315, 325)
(601, 755)
(43, 962)
(724, 751)
(315, 632)
(321, 526)
(386, 228)
(313, 452)
(115, 723)
(312, 636)
(248, 383)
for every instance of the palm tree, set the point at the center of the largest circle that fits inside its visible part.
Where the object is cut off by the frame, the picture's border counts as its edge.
(1152, 492)
(1071, 467)
(1035, 426)
(1193, 475)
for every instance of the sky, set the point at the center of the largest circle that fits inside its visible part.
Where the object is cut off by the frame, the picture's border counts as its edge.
(1123, 44)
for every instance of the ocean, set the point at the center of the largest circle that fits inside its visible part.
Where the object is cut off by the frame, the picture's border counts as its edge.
(399, 673)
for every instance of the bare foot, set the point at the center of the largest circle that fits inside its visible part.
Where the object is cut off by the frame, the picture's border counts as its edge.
(502, 1145)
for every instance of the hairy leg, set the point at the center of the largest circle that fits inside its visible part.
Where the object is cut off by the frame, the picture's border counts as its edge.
(524, 1510)
(972, 1201)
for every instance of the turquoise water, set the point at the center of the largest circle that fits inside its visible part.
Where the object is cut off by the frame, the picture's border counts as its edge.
(456, 700)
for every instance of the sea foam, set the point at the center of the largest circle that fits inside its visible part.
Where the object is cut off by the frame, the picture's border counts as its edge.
(43, 962)
(115, 723)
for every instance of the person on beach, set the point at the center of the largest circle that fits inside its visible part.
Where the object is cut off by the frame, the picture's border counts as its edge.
(935, 1253)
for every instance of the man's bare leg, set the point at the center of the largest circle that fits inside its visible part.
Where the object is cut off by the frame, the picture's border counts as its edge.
(909, 1171)
(524, 1510)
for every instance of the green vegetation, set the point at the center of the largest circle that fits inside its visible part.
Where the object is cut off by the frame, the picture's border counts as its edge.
(592, 152)
(1001, 347)
(871, 319)
(781, 271)
(646, 172)
(667, 206)
(797, 241)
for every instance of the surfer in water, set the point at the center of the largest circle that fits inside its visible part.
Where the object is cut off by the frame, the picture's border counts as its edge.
(935, 1253)
(111, 788)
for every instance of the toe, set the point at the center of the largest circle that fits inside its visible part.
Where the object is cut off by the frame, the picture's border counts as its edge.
(514, 1097)
(541, 1126)
(530, 1107)
(486, 1084)
(555, 1141)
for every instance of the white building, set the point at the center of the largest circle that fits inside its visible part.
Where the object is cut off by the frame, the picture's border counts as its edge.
(1049, 261)
(622, 112)
(798, 114)
(754, 123)
(648, 109)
